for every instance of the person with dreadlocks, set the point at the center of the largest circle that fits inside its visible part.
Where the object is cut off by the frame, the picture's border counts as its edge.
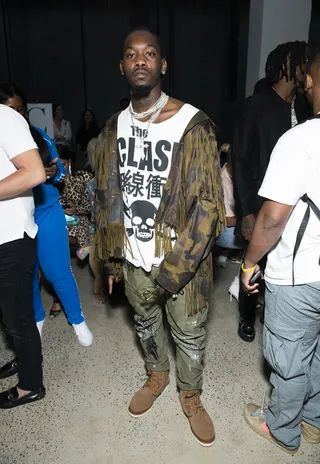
(159, 206)
(288, 226)
(264, 118)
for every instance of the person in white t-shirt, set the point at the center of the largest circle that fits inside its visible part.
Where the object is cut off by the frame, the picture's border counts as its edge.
(21, 169)
(291, 339)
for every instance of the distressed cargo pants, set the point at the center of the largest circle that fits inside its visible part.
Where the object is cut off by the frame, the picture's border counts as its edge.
(291, 343)
(188, 332)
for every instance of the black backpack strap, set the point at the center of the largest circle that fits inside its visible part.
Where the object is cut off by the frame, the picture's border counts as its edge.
(303, 227)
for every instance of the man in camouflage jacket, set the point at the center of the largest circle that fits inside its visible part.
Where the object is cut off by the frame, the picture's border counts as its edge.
(192, 207)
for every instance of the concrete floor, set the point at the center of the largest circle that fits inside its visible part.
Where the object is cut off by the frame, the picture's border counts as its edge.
(84, 419)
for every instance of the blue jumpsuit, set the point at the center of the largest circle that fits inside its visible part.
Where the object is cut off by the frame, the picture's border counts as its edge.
(53, 255)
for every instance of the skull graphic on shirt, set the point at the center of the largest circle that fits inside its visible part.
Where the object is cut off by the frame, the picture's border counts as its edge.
(143, 215)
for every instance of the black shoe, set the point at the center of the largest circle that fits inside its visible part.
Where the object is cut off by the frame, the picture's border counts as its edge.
(246, 331)
(11, 368)
(9, 399)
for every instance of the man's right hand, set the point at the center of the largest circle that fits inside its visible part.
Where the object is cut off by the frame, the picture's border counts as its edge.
(248, 223)
(111, 279)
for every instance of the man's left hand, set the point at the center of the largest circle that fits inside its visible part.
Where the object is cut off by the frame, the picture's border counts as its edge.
(52, 170)
(245, 279)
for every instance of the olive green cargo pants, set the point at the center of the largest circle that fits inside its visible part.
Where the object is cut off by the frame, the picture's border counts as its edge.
(188, 331)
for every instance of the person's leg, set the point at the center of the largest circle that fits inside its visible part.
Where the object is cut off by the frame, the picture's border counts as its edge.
(39, 312)
(16, 280)
(54, 259)
(149, 327)
(148, 317)
(291, 334)
(311, 409)
(97, 267)
(189, 336)
(247, 310)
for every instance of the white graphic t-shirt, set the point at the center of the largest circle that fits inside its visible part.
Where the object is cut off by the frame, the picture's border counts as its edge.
(145, 154)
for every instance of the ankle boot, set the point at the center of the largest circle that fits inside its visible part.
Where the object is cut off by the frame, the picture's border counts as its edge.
(200, 422)
(143, 400)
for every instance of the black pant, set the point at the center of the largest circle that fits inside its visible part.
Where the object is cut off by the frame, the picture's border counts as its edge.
(247, 304)
(16, 269)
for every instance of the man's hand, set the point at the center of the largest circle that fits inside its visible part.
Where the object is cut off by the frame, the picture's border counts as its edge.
(225, 147)
(110, 283)
(248, 223)
(245, 279)
(111, 280)
(51, 171)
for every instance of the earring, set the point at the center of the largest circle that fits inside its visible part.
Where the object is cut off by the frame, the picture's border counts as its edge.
(163, 72)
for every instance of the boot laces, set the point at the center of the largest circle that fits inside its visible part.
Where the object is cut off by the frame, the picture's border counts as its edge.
(193, 403)
(154, 382)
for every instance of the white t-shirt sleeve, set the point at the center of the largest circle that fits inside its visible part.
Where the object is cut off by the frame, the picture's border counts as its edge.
(286, 178)
(15, 136)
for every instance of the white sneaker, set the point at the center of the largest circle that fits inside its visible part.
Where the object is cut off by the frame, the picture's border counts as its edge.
(40, 327)
(221, 261)
(235, 288)
(83, 333)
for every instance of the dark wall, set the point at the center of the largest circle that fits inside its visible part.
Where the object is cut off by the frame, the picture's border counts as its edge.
(314, 32)
(68, 52)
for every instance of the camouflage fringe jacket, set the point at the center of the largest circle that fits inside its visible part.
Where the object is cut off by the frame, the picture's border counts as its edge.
(192, 204)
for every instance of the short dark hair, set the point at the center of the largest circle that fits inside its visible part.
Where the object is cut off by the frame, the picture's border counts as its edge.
(277, 61)
(145, 29)
(9, 90)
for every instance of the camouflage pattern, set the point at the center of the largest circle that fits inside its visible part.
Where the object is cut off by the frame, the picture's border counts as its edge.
(192, 204)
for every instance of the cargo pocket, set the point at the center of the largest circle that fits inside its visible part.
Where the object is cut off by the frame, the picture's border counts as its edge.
(284, 353)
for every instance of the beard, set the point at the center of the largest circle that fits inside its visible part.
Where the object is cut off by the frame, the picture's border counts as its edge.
(141, 91)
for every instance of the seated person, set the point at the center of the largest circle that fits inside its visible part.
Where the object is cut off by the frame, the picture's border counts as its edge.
(228, 240)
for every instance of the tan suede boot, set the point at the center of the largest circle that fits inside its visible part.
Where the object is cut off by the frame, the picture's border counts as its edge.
(143, 400)
(200, 421)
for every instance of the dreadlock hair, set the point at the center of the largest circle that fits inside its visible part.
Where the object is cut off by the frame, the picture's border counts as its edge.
(145, 29)
(283, 61)
(9, 90)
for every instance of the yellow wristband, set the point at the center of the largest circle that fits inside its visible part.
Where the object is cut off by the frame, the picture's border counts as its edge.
(251, 269)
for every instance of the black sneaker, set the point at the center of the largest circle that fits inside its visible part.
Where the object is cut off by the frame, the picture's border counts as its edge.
(9, 399)
(246, 331)
(9, 369)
